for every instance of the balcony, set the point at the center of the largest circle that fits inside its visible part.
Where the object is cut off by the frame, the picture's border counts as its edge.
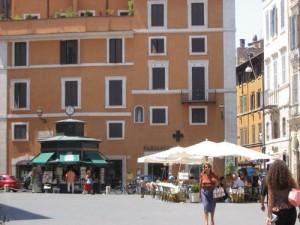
(66, 25)
(295, 110)
(198, 96)
(271, 99)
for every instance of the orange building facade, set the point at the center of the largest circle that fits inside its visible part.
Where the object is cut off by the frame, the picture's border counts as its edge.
(144, 78)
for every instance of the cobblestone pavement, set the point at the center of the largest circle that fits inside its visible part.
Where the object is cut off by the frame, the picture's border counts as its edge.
(77, 209)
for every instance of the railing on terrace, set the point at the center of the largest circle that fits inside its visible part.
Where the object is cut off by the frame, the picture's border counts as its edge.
(69, 25)
(198, 96)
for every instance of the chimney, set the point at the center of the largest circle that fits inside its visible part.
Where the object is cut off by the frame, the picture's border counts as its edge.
(242, 43)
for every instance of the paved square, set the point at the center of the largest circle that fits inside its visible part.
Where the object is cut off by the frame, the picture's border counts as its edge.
(77, 209)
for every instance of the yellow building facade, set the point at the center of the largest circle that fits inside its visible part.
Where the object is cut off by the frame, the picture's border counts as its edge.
(249, 91)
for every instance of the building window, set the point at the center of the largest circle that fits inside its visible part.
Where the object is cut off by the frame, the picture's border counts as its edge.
(268, 83)
(198, 80)
(198, 45)
(253, 134)
(198, 115)
(115, 92)
(268, 131)
(275, 74)
(274, 22)
(20, 131)
(158, 75)
(283, 127)
(267, 26)
(157, 46)
(260, 134)
(71, 92)
(252, 101)
(283, 70)
(158, 115)
(69, 52)
(294, 32)
(275, 130)
(295, 93)
(282, 14)
(20, 53)
(157, 14)
(139, 114)
(115, 130)
(258, 99)
(197, 13)
(20, 94)
(243, 103)
(115, 50)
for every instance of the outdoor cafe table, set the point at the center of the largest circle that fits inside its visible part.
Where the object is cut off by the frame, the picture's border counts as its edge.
(167, 190)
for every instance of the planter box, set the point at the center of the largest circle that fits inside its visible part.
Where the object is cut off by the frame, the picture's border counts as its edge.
(194, 197)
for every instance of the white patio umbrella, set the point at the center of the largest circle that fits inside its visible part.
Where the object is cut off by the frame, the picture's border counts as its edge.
(172, 155)
(230, 149)
(203, 149)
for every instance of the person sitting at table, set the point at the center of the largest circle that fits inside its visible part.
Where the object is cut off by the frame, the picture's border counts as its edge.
(237, 182)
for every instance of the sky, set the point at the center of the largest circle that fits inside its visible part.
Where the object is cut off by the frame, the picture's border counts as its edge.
(248, 19)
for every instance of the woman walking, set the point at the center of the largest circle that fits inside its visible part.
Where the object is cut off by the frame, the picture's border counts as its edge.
(280, 182)
(208, 181)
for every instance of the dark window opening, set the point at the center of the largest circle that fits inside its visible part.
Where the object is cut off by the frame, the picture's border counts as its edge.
(158, 78)
(157, 15)
(69, 52)
(198, 45)
(20, 95)
(115, 93)
(157, 45)
(20, 53)
(115, 51)
(115, 130)
(198, 115)
(197, 14)
(159, 116)
(20, 132)
(71, 93)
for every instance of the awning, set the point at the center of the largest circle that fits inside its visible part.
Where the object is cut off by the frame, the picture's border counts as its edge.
(95, 158)
(69, 157)
(42, 158)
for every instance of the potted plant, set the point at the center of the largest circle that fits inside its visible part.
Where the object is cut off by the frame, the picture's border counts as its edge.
(194, 193)
(130, 8)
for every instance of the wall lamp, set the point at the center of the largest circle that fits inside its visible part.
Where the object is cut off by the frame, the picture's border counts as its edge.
(39, 113)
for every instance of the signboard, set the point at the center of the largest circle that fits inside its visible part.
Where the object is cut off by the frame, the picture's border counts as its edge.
(183, 176)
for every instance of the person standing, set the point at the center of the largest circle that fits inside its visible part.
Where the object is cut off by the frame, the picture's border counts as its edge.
(280, 182)
(207, 182)
(70, 178)
(88, 182)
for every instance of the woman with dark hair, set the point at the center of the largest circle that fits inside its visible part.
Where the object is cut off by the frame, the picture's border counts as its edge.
(208, 181)
(280, 182)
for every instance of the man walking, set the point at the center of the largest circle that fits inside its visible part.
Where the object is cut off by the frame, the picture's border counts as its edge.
(70, 178)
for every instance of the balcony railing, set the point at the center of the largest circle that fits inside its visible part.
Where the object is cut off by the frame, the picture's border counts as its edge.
(198, 96)
(271, 99)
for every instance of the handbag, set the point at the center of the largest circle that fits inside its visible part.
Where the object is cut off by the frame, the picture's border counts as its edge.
(294, 197)
(218, 192)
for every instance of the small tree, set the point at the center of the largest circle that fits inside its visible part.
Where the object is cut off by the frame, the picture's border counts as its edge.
(229, 168)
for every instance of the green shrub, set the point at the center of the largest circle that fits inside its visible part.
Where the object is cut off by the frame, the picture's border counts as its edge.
(195, 188)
